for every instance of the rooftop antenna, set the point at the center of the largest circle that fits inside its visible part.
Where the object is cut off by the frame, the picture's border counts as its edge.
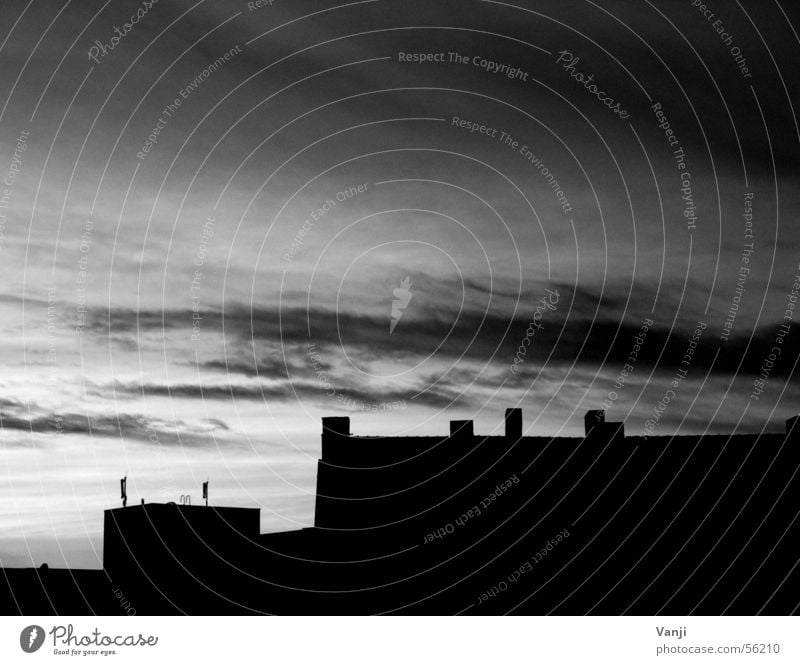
(123, 487)
(205, 492)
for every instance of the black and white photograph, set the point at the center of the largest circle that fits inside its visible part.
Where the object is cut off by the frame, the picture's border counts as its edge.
(431, 308)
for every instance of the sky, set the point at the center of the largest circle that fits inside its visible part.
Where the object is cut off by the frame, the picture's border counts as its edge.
(222, 222)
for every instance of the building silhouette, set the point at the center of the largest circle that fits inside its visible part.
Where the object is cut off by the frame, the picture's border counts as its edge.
(602, 523)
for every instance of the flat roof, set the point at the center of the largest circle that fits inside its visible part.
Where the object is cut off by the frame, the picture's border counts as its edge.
(181, 507)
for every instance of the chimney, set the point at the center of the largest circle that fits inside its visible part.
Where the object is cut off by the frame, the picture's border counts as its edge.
(593, 418)
(336, 426)
(461, 428)
(514, 424)
(334, 429)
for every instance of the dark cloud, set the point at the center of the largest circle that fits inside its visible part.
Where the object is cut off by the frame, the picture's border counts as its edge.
(276, 366)
(584, 327)
(328, 391)
(124, 426)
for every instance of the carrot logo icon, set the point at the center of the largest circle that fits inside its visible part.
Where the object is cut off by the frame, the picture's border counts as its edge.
(402, 296)
(31, 638)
